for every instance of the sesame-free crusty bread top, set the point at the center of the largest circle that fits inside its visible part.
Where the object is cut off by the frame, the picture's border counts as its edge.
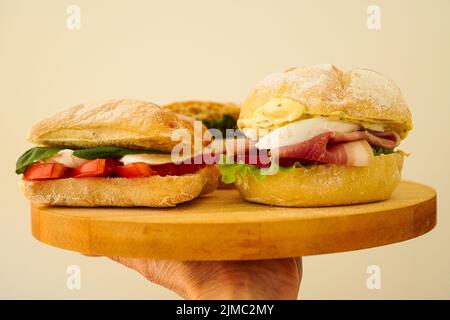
(123, 123)
(324, 90)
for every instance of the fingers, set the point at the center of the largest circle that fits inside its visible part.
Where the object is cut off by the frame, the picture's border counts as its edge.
(139, 265)
(91, 255)
(299, 263)
(275, 279)
(136, 264)
(156, 271)
(169, 274)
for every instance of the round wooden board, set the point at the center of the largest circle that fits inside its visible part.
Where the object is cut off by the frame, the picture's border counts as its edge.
(221, 226)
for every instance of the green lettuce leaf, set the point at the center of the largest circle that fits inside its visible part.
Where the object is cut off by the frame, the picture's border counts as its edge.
(232, 171)
(379, 150)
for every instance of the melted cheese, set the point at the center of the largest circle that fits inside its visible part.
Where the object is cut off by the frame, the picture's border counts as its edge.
(278, 111)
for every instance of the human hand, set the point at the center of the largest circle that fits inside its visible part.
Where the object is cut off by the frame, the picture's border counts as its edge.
(217, 280)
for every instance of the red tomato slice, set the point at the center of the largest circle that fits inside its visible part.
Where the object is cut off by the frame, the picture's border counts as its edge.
(110, 167)
(95, 168)
(135, 170)
(41, 171)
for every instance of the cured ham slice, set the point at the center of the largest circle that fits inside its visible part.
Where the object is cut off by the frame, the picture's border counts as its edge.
(241, 149)
(388, 139)
(350, 148)
(319, 148)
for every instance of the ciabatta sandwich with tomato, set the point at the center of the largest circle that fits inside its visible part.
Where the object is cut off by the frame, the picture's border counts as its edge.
(116, 153)
(327, 137)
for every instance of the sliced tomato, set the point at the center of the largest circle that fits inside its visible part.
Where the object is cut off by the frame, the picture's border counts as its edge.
(110, 167)
(41, 171)
(95, 168)
(135, 170)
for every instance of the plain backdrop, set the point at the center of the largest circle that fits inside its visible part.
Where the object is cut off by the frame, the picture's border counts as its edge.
(169, 50)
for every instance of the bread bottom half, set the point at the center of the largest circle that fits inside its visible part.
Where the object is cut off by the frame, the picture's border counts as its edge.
(154, 191)
(326, 185)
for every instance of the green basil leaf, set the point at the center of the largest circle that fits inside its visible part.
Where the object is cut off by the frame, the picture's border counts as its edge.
(32, 155)
(108, 152)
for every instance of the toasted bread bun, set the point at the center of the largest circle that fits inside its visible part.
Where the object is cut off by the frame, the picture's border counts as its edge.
(358, 95)
(124, 123)
(205, 110)
(326, 185)
(154, 191)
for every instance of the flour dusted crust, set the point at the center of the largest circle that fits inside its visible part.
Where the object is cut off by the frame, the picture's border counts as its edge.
(204, 110)
(124, 123)
(326, 185)
(154, 191)
(358, 94)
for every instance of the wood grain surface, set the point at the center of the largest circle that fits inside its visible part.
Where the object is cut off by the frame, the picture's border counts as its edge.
(221, 226)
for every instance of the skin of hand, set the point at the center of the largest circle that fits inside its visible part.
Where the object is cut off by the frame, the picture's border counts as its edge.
(277, 279)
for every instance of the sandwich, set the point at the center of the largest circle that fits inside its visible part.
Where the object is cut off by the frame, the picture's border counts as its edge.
(118, 153)
(322, 137)
(214, 115)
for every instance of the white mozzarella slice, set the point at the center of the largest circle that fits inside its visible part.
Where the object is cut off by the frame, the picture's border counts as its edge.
(154, 159)
(150, 158)
(303, 130)
(67, 158)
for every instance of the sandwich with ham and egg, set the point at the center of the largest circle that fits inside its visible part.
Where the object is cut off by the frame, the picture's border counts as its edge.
(117, 153)
(331, 138)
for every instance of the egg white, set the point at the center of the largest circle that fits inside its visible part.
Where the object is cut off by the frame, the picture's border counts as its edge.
(303, 130)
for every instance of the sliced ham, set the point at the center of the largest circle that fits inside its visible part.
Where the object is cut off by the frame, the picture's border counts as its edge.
(319, 148)
(387, 139)
(241, 149)
(351, 148)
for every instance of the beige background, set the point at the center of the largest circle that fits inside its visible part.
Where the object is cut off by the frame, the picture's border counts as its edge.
(169, 50)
